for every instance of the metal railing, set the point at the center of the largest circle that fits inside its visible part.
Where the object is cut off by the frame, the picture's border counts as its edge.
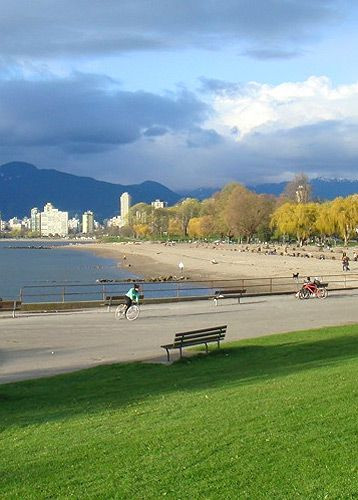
(175, 289)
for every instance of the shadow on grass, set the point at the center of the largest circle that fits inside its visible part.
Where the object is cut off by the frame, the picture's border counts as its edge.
(116, 386)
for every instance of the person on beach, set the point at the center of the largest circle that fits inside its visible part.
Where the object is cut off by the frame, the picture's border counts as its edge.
(132, 296)
(345, 262)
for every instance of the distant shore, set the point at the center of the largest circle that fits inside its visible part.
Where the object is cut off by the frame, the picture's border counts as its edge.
(219, 261)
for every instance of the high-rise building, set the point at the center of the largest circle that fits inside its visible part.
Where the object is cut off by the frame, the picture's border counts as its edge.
(87, 222)
(125, 203)
(53, 221)
(35, 220)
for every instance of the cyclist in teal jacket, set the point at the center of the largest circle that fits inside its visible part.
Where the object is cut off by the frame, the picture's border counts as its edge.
(132, 296)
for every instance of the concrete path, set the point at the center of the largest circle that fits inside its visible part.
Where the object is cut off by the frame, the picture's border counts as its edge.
(46, 344)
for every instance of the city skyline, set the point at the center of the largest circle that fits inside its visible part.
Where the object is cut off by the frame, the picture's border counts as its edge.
(186, 95)
(52, 221)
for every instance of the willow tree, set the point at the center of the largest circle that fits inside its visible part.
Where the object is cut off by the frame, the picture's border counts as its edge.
(325, 223)
(306, 217)
(345, 215)
(194, 230)
(296, 219)
(283, 219)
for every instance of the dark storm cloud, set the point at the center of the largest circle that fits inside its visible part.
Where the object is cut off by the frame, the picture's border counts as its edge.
(326, 148)
(70, 28)
(82, 114)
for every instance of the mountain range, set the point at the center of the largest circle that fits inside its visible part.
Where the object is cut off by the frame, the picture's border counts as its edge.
(322, 189)
(24, 186)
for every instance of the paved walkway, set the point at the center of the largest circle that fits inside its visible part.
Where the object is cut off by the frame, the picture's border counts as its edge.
(46, 344)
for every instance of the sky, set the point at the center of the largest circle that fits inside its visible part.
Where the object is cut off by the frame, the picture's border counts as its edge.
(189, 94)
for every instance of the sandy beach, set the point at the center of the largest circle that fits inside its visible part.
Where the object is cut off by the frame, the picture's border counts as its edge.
(220, 261)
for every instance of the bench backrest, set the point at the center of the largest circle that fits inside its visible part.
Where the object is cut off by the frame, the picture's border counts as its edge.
(213, 334)
(114, 298)
(10, 305)
(232, 291)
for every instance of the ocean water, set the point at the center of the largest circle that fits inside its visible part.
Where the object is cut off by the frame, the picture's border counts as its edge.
(48, 271)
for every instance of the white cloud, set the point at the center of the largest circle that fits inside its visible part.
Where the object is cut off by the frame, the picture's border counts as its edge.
(266, 108)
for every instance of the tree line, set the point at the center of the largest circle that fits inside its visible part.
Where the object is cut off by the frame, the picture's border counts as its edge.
(235, 212)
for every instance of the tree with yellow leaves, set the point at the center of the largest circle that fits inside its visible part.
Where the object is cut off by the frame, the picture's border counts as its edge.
(141, 230)
(194, 229)
(296, 219)
(325, 223)
(345, 216)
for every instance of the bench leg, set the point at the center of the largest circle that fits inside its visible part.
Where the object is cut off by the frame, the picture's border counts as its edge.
(206, 348)
(216, 301)
(168, 355)
(181, 352)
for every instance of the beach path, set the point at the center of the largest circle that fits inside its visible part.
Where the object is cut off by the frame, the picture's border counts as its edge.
(47, 344)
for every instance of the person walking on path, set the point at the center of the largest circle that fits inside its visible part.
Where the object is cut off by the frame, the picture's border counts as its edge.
(345, 262)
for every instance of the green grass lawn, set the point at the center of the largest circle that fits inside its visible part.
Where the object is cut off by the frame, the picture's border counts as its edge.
(275, 417)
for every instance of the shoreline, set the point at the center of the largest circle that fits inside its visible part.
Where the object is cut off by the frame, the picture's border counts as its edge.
(203, 261)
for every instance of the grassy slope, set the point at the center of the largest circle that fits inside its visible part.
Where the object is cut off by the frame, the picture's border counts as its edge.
(266, 418)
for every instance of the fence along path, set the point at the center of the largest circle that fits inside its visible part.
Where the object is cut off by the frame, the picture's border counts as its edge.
(176, 289)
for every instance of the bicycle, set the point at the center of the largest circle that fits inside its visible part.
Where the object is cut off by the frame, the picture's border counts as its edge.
(131, 314)
(313, 289)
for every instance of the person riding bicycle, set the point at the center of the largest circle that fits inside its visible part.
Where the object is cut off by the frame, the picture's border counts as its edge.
(132, 296)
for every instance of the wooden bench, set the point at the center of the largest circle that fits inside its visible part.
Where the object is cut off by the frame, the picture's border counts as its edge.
(116, 300)
(113, 300)
(10, 305)
(235, 293)
(196, 337)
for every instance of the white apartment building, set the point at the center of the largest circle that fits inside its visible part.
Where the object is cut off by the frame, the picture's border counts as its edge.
(15, 224)
(53, 221)
(87, 222)
(159, 204)
(115, 221)
(125, 204)
(74, 225)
